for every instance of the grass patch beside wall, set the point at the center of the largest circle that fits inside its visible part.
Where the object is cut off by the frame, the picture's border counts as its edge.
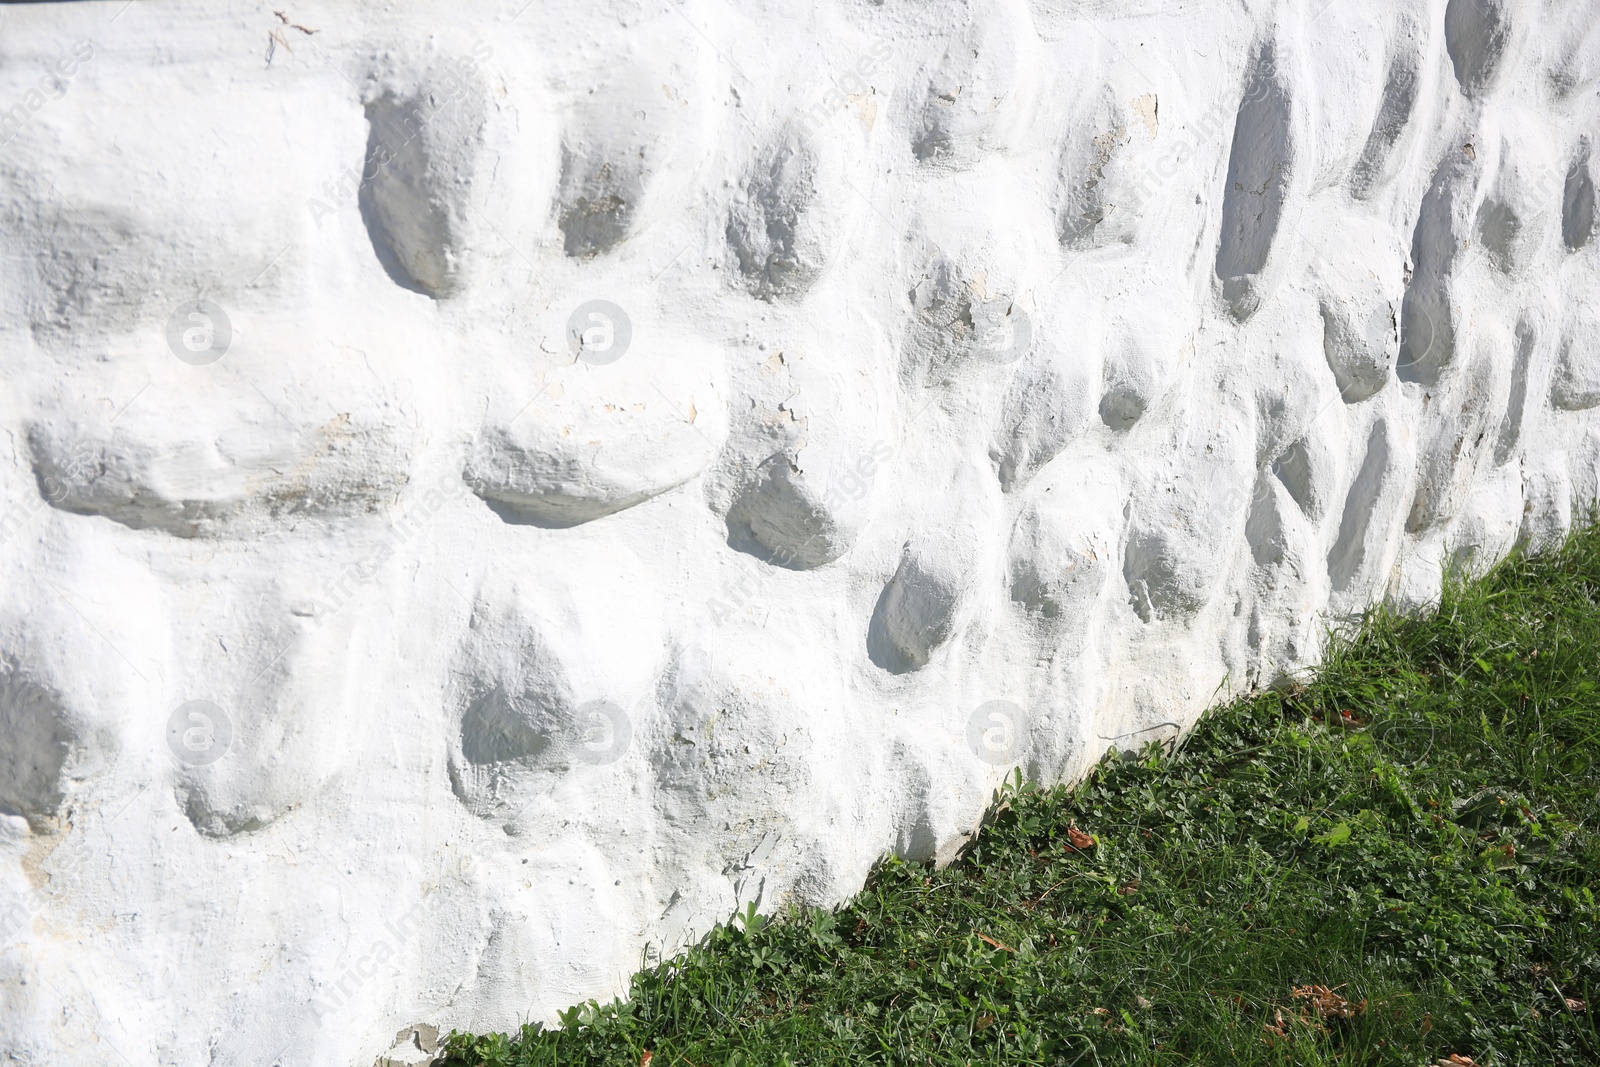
(1395, 864)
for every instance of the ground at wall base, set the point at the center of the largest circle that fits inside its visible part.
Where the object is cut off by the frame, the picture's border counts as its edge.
(1394, 863)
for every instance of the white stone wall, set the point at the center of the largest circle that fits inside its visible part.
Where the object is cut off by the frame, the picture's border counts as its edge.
(488, 487)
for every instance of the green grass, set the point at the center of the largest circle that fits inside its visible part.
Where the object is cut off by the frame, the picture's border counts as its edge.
(1433, 863)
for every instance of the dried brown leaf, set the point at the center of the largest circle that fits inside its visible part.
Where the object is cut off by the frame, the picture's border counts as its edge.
(985, 938)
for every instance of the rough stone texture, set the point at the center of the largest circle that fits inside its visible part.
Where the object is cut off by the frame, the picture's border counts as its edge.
(391, 635)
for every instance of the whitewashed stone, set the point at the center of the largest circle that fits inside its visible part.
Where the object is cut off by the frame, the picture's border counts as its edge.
(481, 495)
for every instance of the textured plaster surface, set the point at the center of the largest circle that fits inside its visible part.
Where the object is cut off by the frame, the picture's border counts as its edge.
(488, 488)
